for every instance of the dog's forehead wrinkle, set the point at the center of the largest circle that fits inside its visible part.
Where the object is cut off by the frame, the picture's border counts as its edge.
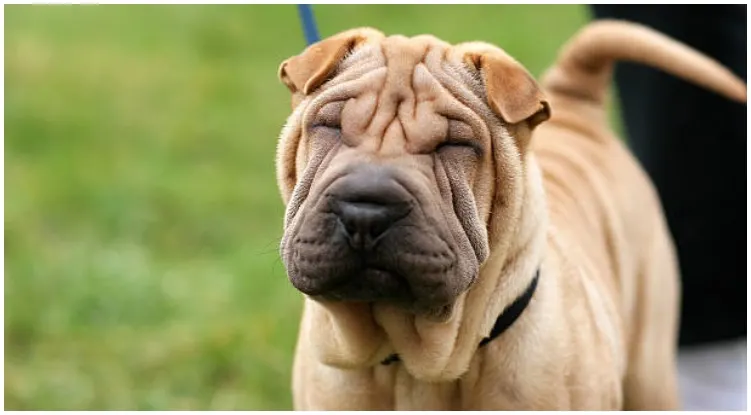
(402, 56)
(418, 83)
(350, 84)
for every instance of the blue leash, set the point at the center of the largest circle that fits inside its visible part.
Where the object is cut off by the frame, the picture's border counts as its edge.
(308, 23)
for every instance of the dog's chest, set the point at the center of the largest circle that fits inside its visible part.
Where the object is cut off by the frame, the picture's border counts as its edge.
(402, 392)
(485, 387)
(410, 394)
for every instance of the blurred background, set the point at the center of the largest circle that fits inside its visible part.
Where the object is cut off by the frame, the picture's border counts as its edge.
(142, 217)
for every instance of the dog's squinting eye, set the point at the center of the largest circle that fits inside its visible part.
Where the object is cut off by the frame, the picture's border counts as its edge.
(460, 145)
(460, 136)
(326, 123)
(330, 126)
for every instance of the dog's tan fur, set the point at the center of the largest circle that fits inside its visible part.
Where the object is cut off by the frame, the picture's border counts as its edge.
(561, 195)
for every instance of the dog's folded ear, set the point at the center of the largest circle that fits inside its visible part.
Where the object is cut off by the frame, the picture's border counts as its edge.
(307, 71)
(512, 92)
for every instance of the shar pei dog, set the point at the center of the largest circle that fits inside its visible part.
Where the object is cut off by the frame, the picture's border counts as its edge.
(468, 238)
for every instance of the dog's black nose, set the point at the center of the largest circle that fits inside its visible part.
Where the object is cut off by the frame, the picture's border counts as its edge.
(364, 222)
(368, 202)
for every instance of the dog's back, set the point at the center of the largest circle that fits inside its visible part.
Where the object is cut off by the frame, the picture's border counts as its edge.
(602, 202)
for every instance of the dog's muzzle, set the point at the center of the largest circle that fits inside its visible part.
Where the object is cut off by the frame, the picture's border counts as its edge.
(366, 238)
(367, 204)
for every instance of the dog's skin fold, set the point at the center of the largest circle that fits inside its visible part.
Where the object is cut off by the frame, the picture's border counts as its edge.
(426, 183)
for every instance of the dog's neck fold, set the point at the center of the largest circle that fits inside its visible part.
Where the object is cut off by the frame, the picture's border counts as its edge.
(361, 335)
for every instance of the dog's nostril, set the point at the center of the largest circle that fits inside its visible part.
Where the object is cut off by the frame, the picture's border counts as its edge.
(368, 200)
(364, 222)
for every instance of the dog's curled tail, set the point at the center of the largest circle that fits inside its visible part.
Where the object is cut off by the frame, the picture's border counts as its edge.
(584, 66)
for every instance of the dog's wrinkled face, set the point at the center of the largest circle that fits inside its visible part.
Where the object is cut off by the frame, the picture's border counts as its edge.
(396, 153)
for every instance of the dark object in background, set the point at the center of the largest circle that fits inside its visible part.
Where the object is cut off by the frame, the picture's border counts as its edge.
(692, 143)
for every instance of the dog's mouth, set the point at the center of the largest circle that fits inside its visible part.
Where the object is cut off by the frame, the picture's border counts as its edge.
(397, 272)
(366, 285)
(375, 285)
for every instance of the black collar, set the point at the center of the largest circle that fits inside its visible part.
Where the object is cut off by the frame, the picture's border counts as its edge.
(509, 315)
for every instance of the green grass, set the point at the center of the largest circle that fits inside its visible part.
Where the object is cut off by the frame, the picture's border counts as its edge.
(142, 217)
